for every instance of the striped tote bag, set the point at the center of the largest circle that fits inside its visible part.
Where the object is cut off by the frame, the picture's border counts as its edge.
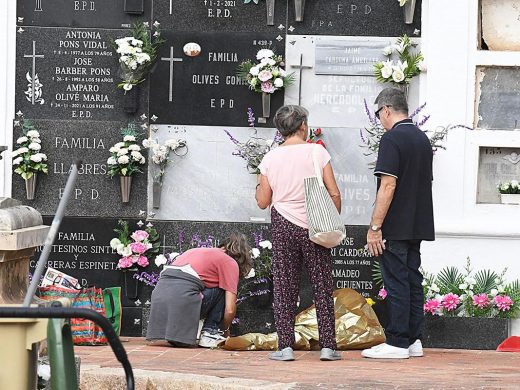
(325, 225)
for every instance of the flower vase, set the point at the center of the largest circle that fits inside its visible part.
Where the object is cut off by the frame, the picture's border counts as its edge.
(30, 186)
(270, 12)
(131, 100)
(403, 87)
(299, 9)
(126, 185)
(266, 104)
(510, 198)
(409, 10)
(156, 195)
(131, 284)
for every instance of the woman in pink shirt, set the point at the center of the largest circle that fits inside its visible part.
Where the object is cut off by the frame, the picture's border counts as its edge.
(281, 186)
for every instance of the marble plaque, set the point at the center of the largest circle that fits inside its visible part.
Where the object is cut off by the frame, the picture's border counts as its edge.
(80, 13)
(95, 193)
(333, 100)
(205, 90)
(348, 58)
(210, 184)
(222, 15)
(501, 24)
(496, 165)
(353, 264)
(498, 98)
(354, 17)
(69, 74)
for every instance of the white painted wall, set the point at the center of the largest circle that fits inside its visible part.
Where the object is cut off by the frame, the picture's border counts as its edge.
(488, 234)
(7, 65)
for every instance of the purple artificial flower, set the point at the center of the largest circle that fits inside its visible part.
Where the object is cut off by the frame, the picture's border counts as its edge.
(250, 117)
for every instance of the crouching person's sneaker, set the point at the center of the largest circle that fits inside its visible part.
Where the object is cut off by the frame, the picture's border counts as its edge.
(415, 350)
(211, 340)
(385, 351)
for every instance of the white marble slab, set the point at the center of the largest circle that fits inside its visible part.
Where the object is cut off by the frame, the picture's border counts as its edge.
(210, 184)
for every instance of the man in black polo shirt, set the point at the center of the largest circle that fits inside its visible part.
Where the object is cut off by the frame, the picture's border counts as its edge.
(402, 218)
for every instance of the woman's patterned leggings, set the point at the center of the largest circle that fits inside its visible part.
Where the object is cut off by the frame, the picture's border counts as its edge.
(291, 246)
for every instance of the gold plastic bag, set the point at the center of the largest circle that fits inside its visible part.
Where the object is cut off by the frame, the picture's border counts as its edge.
(357, 327)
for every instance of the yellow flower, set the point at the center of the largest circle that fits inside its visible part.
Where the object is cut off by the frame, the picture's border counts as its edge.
(370, 301)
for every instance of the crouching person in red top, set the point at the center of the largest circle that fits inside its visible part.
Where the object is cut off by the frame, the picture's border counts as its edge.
(201, 283)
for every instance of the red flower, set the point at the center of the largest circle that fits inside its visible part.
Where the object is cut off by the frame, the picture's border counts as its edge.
(320, 142)
(318, 131)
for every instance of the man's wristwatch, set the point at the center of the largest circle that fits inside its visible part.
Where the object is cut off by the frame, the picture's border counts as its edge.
(375, 228)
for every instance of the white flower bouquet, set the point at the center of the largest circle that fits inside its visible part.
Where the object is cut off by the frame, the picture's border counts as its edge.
(402, 70)
(161, 154)
(126, 157)
(28, 158)
(509, 187)
(137, 53)
(267, 76)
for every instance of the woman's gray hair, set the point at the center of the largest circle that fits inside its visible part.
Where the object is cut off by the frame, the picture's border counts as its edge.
(288, 119)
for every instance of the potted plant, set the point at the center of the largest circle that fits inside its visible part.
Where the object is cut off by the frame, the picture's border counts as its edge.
(161, 159)
(399, 72)
(509, 192)
(137, 53)
(255, 148)
(136, 249)
(265, 77)
(28, 158)
(126, 160)
(467, 310)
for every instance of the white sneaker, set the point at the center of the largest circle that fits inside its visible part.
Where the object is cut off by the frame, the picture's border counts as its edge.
(211, 340)
(385, 351)
(415, 350)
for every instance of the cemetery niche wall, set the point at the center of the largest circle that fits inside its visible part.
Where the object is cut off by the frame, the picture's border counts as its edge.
(66, 77)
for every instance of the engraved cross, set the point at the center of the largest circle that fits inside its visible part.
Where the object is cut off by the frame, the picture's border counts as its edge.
(300, 67)
(33, 56)
(171, 59)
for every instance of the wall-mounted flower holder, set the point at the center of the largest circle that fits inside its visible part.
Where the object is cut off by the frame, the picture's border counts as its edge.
(134, 7)
(270, 12)
(126, 186)
(299, 9)
(30, 186)
(266, 105)
(156, 195)
(131, 100)
(409, 10)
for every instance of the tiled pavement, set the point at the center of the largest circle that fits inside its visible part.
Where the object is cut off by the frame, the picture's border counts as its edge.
(438, 369)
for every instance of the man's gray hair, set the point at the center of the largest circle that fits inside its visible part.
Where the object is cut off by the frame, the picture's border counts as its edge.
(394, 98)
(288, 119)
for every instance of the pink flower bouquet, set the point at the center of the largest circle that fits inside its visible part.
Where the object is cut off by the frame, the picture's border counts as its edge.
(136, 248)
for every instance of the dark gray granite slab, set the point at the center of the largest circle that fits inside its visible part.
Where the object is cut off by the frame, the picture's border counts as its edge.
(221, 15)
(464, 332)
(70, 74)
(82, 13)
(95, 193)
(353, 17)
(204, 90)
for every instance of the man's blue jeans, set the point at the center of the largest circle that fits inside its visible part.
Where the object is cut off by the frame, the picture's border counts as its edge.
(213, 304)
(400, 264)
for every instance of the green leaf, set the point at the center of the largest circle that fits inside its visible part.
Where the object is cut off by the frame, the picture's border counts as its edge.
(485, 281)
(376, 274)
(449, 279)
